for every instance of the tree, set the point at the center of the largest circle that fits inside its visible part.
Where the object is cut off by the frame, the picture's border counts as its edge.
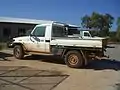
(100, 22)
(86, 22)
(118, 28)
(118, 21)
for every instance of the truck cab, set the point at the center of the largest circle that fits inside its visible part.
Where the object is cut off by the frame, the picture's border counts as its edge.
(53, 39)
(85, 34)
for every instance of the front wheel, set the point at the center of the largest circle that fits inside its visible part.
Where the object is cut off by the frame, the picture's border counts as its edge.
(18, 52)
(74, 59)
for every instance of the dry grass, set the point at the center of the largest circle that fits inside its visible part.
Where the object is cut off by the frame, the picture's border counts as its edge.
(3, 46)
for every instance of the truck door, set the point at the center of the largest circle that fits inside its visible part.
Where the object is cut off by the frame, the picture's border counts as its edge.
(37, 39)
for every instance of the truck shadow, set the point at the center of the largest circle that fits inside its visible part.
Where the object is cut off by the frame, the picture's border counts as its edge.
(3, 56)
(104, 64)
(44, 58)
(96, 64)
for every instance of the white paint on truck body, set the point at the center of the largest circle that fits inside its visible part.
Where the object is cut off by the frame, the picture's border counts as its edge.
(77, 42)
(44, 43)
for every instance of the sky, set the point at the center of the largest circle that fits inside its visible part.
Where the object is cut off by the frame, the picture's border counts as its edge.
(68, 11)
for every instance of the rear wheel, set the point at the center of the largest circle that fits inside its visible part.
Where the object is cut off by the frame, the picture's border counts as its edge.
(18, 52)
(74, 59)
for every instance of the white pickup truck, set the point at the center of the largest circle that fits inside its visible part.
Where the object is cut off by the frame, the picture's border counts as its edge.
(54, 39)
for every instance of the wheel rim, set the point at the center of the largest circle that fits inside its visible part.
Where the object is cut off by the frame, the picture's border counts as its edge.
(17, 52)
(73, 59)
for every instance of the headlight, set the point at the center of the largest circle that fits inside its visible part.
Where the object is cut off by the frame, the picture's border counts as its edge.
(10, 43)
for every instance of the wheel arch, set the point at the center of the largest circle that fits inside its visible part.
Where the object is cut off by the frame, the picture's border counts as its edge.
(14, 44)
(67, 50)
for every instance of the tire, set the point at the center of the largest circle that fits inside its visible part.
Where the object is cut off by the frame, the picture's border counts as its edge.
(74, 59)
(18, 52)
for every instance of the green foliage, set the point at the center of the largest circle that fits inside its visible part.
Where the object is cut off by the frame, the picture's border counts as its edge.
(94, 33)
(100, 22)
(112, 33)
(86, 22)
(118, 21)
(113, 37)
(118, 32)
(118, 28)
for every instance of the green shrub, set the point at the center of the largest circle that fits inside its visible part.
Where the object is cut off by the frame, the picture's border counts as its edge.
(114, 39)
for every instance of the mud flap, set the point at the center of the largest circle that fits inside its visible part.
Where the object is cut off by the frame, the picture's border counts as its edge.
(85, 59)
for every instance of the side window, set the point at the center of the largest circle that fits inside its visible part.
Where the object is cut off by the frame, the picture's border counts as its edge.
(39, 31)
(58, 31)
(86, 34)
